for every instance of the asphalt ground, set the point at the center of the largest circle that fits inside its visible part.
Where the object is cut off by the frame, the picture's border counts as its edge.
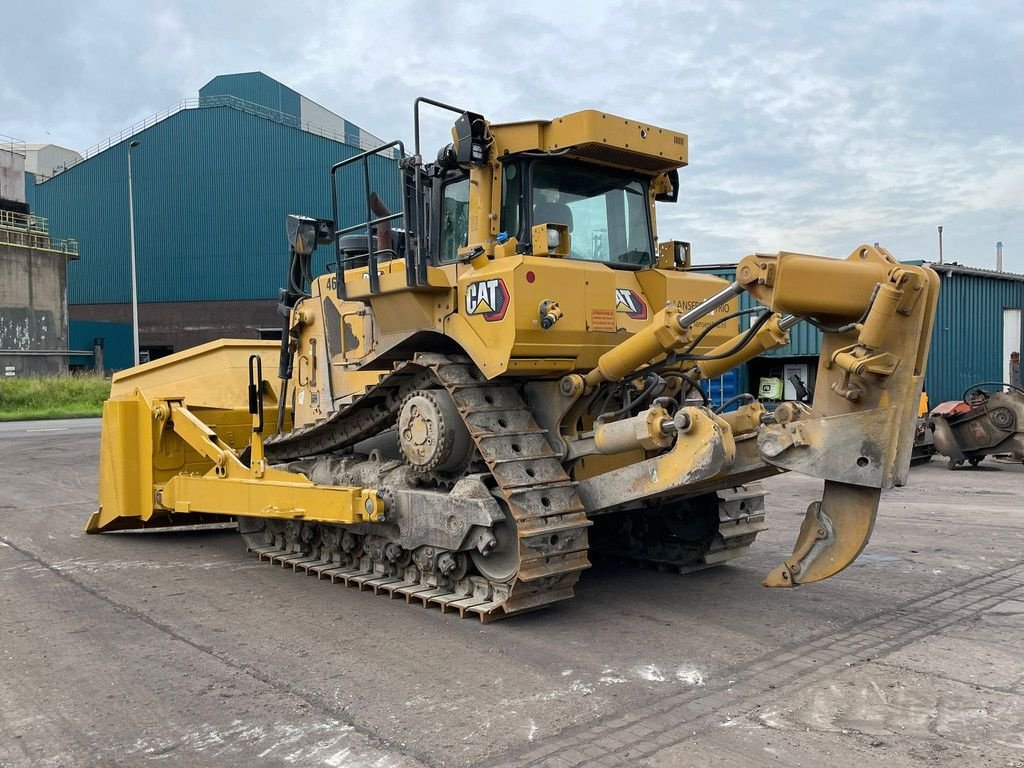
(181, 649)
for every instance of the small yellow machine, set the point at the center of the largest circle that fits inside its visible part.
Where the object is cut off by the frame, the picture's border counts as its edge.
(500, 374)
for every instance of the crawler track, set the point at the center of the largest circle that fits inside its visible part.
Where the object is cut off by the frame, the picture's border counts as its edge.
(739, 516)
(545, 511)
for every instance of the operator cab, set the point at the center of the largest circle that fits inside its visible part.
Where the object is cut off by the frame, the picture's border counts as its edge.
(589, 176)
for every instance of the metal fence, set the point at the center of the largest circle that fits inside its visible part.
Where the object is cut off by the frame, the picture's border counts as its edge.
(7, 370)
(12, 145)
(30, 231)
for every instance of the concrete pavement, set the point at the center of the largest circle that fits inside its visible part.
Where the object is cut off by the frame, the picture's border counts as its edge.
(178, 648)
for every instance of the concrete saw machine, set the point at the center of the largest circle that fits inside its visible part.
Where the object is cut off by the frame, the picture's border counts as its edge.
(987, 421)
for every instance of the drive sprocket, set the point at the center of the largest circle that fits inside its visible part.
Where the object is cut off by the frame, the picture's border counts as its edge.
(431, 433)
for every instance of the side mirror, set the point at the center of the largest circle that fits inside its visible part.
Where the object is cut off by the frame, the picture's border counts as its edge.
(305, 233)
(470, 144)
(666, 187)
(674, 254)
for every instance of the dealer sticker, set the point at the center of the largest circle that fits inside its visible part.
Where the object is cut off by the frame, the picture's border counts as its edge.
(630, 304)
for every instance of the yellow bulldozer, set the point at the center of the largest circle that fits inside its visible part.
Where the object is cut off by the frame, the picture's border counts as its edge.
(499, 376)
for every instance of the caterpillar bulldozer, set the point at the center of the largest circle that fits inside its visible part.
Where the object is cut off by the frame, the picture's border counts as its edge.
(499, 376)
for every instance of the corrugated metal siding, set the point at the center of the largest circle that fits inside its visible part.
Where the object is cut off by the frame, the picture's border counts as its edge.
(353, 134)
(967, 345)
(117, 343)
(212, 189)
(257, 88)
(722, 388)
(30, 191)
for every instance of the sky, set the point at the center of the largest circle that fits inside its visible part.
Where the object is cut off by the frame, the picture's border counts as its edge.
(813, 127)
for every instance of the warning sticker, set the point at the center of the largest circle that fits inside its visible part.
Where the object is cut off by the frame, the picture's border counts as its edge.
(602, 320)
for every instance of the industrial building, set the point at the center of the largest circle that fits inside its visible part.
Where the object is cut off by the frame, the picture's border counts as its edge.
(213, 179)
(978, 328)
(33, 270)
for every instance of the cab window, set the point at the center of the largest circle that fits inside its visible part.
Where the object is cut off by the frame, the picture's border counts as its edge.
(605, 210)
(511, 190)
(454, 219)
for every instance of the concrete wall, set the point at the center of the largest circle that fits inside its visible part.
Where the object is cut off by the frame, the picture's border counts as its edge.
(12, 176)
(33, 310)
(181, 325)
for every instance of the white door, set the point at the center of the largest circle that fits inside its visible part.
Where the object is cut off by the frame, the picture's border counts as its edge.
(1011, 338)
(788, 369)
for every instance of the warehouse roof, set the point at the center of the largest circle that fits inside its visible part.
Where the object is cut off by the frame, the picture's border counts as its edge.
(251, 92)
(946, 268)
(259, 88)
(952, 268)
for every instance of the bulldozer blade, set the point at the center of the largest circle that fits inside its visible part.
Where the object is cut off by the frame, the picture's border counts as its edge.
(834, 532)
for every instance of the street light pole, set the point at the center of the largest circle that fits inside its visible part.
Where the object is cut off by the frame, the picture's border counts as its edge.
(131, 233)
(940, 243)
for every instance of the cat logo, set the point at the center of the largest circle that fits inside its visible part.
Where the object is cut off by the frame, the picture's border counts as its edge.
(630, 303)
(488, 298)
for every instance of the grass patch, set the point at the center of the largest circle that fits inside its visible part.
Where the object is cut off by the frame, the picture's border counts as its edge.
(56, 397)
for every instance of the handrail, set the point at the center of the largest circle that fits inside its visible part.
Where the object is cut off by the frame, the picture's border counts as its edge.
(371, 254)
(379, 220)
(38, 241)
(12, 145)
(48, 352)
(24, 221)
(421, 258)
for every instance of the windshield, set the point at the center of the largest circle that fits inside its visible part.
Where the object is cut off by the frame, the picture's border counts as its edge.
(606, 211)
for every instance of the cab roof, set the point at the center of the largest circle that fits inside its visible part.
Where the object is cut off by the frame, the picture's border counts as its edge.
(597, 137)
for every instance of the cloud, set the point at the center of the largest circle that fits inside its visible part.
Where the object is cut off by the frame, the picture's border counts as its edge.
(813, 126)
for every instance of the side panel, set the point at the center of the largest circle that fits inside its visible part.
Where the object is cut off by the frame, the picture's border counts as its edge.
(498, 320)
(213, 375)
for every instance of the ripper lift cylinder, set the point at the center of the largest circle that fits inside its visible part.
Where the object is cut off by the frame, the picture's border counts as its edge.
(774, 333)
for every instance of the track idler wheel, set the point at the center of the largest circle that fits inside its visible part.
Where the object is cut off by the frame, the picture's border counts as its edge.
(500, 562)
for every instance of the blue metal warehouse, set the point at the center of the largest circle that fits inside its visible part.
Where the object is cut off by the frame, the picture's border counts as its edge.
(977, 327)
(213, 180)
